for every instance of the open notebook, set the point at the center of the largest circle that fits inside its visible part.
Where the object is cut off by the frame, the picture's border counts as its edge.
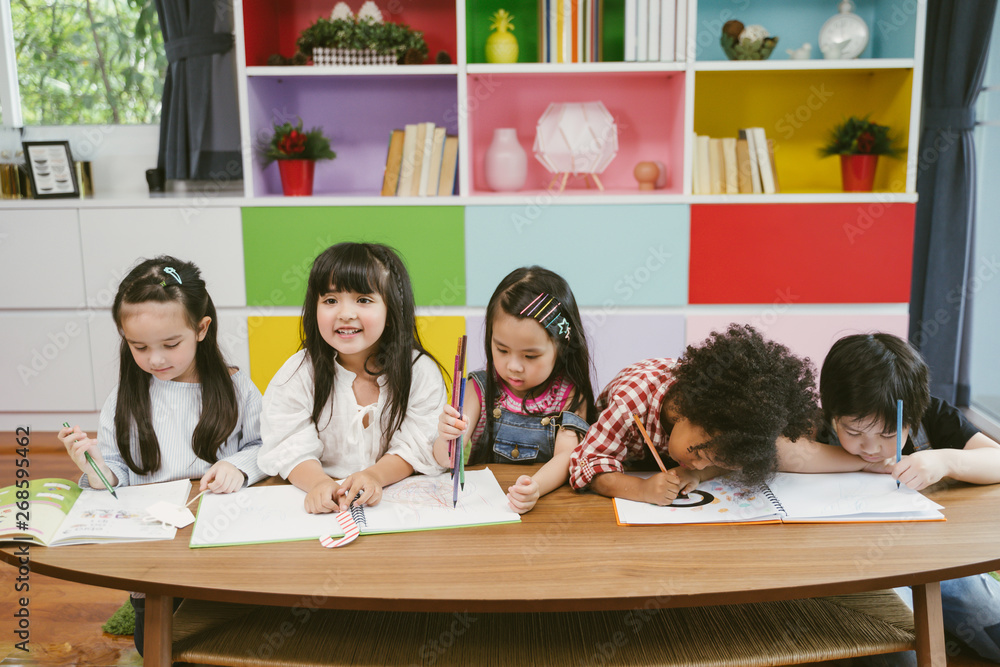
(790, 498)
(58, 512)
(421, 502)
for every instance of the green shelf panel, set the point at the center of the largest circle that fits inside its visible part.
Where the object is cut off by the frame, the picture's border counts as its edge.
(280, 244)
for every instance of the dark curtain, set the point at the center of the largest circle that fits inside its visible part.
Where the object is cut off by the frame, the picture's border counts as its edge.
(199, 123)
(957, 44)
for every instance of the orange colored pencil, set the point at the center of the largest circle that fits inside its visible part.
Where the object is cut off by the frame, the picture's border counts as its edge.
(645, 436)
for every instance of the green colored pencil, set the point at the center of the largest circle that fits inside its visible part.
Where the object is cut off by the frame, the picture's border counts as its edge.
(93, 464)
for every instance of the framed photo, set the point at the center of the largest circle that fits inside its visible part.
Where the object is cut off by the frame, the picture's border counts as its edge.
(50, 164)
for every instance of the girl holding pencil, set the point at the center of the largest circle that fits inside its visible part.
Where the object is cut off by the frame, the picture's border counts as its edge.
(536, 386)
(178, 412)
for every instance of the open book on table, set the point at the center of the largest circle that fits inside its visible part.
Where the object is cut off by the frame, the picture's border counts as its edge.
(420, 502)
(58, 512)
(790, 498)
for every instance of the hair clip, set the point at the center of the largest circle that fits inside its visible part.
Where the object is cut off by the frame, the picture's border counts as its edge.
(545, 309)
(173, 272)
(163, 283)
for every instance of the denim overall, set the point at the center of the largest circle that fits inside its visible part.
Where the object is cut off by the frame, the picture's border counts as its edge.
(524, 438)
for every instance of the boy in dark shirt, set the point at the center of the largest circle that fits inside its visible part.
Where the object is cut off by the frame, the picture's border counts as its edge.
(862, 378)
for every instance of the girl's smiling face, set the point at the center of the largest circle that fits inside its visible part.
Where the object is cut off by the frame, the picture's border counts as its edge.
(523, 352)
(161, 339)
(352, 324)
(869, 440)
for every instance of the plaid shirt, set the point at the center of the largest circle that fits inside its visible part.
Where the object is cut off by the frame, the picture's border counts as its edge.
(614, 438)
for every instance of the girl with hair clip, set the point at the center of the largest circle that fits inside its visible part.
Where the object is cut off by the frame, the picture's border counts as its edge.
(179, 411)
(536, 385)
(360, 399)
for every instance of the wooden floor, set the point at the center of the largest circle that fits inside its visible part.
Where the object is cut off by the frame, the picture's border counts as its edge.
(66, 618)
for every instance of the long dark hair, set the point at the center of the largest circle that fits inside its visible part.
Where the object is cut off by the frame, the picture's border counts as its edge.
(365, 268)
(514, 293)
(149, 281)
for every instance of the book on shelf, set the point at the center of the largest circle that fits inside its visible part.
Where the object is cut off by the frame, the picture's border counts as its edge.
(703, 170)
(277, 513)
(409, 159)
(434, 176)
(425, 162)
(631, 30)
(59, 513)
(393, 160)
(755, 183)
(653, 40)
(774, 165)
(743, 167)
(763, 160)
(730, 166)
(716, 167)
(843, 497)
(680, 40)
(449, 165)
(642, 32)
(418, 160)
(668, 29)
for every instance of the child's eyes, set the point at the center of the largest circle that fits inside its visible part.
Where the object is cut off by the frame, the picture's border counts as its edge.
(329, 301)
(364, 299)
(531, 356)
(172, 346)
(139, 348)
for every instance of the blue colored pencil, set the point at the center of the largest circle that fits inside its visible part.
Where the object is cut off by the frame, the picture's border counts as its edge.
(458, 458)
(899, 433)
(93, 464)
(461, 445)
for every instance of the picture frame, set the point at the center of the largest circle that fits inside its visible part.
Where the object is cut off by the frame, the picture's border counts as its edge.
(50, 165)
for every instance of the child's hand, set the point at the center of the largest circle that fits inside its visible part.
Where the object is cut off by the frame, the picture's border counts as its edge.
(222, 477)
(363, 483)
(661, 489)
(77, 444)
(920, 469)
(322, 498)
(451, 425)
(885, 466)
(687, 478)
(523, 494)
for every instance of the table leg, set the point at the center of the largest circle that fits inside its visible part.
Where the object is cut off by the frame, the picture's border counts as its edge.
(928, 621)
(158, 643)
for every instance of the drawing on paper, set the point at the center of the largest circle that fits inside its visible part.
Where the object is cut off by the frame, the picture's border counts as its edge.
(426, 492)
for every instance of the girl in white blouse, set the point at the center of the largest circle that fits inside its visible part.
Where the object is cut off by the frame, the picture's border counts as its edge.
(360, 400)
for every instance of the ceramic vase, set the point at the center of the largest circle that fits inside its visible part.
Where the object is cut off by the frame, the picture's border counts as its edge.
(506, 163)
(857, 172)
(297, 177)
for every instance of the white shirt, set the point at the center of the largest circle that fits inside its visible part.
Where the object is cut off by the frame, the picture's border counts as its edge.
(344, 445)
(176, 409)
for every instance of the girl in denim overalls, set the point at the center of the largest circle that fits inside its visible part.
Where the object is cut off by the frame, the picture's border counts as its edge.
(536, 385)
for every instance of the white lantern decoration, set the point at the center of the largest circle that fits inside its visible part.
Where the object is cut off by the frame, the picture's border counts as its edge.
(576, 138)
(341, 12)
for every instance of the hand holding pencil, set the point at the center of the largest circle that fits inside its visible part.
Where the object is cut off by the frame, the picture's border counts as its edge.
(79, 446)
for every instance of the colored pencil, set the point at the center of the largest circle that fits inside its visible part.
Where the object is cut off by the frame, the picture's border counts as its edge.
(649, 443)
(93, 464)
(458, 459)
(899, 433)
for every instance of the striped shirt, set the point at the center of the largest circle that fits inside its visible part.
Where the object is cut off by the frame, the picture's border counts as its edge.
(614, 439)
(176, 409)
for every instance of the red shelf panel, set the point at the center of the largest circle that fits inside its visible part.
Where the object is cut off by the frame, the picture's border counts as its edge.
(801, 253)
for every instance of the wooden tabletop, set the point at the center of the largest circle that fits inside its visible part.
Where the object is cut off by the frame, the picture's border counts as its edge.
(566, 555)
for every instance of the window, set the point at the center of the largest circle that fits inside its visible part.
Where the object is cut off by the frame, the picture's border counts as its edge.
(984, 287)
(86, 62)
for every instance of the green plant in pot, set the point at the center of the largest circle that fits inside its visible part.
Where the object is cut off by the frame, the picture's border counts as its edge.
(405, 45)
(296, 151)
(859, 142)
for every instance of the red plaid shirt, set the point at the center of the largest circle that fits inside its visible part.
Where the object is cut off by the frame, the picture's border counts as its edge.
(615, 438)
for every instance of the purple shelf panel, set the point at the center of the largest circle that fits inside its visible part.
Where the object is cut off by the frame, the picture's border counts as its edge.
(358, 113)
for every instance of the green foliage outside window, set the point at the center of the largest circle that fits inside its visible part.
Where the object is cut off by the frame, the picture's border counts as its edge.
(83, 62)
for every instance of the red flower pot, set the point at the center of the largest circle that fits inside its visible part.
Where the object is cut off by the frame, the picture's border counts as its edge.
(297, 177)
(858, 172)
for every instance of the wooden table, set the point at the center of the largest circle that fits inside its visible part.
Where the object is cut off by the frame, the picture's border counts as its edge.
(567, 555)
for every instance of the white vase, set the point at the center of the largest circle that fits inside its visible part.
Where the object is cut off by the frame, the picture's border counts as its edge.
(506, 161)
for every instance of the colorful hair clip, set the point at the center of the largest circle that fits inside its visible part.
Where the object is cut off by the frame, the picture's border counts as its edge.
(545, 309)
(173, 272)
(163, 283)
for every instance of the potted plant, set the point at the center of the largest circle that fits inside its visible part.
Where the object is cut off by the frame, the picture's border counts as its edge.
(296, 151)
(362, 41)
(859, 142)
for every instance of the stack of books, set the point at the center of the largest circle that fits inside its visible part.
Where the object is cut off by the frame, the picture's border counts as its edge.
(735, 165)
(421, 162)
(656, 30)
(570, 31)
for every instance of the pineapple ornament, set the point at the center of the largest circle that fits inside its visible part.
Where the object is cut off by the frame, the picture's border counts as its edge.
(501, 45)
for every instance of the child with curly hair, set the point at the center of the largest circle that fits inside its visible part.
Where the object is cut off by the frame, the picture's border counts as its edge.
(736, 402)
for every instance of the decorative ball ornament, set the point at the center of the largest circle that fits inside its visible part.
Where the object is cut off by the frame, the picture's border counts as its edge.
(844, 35)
